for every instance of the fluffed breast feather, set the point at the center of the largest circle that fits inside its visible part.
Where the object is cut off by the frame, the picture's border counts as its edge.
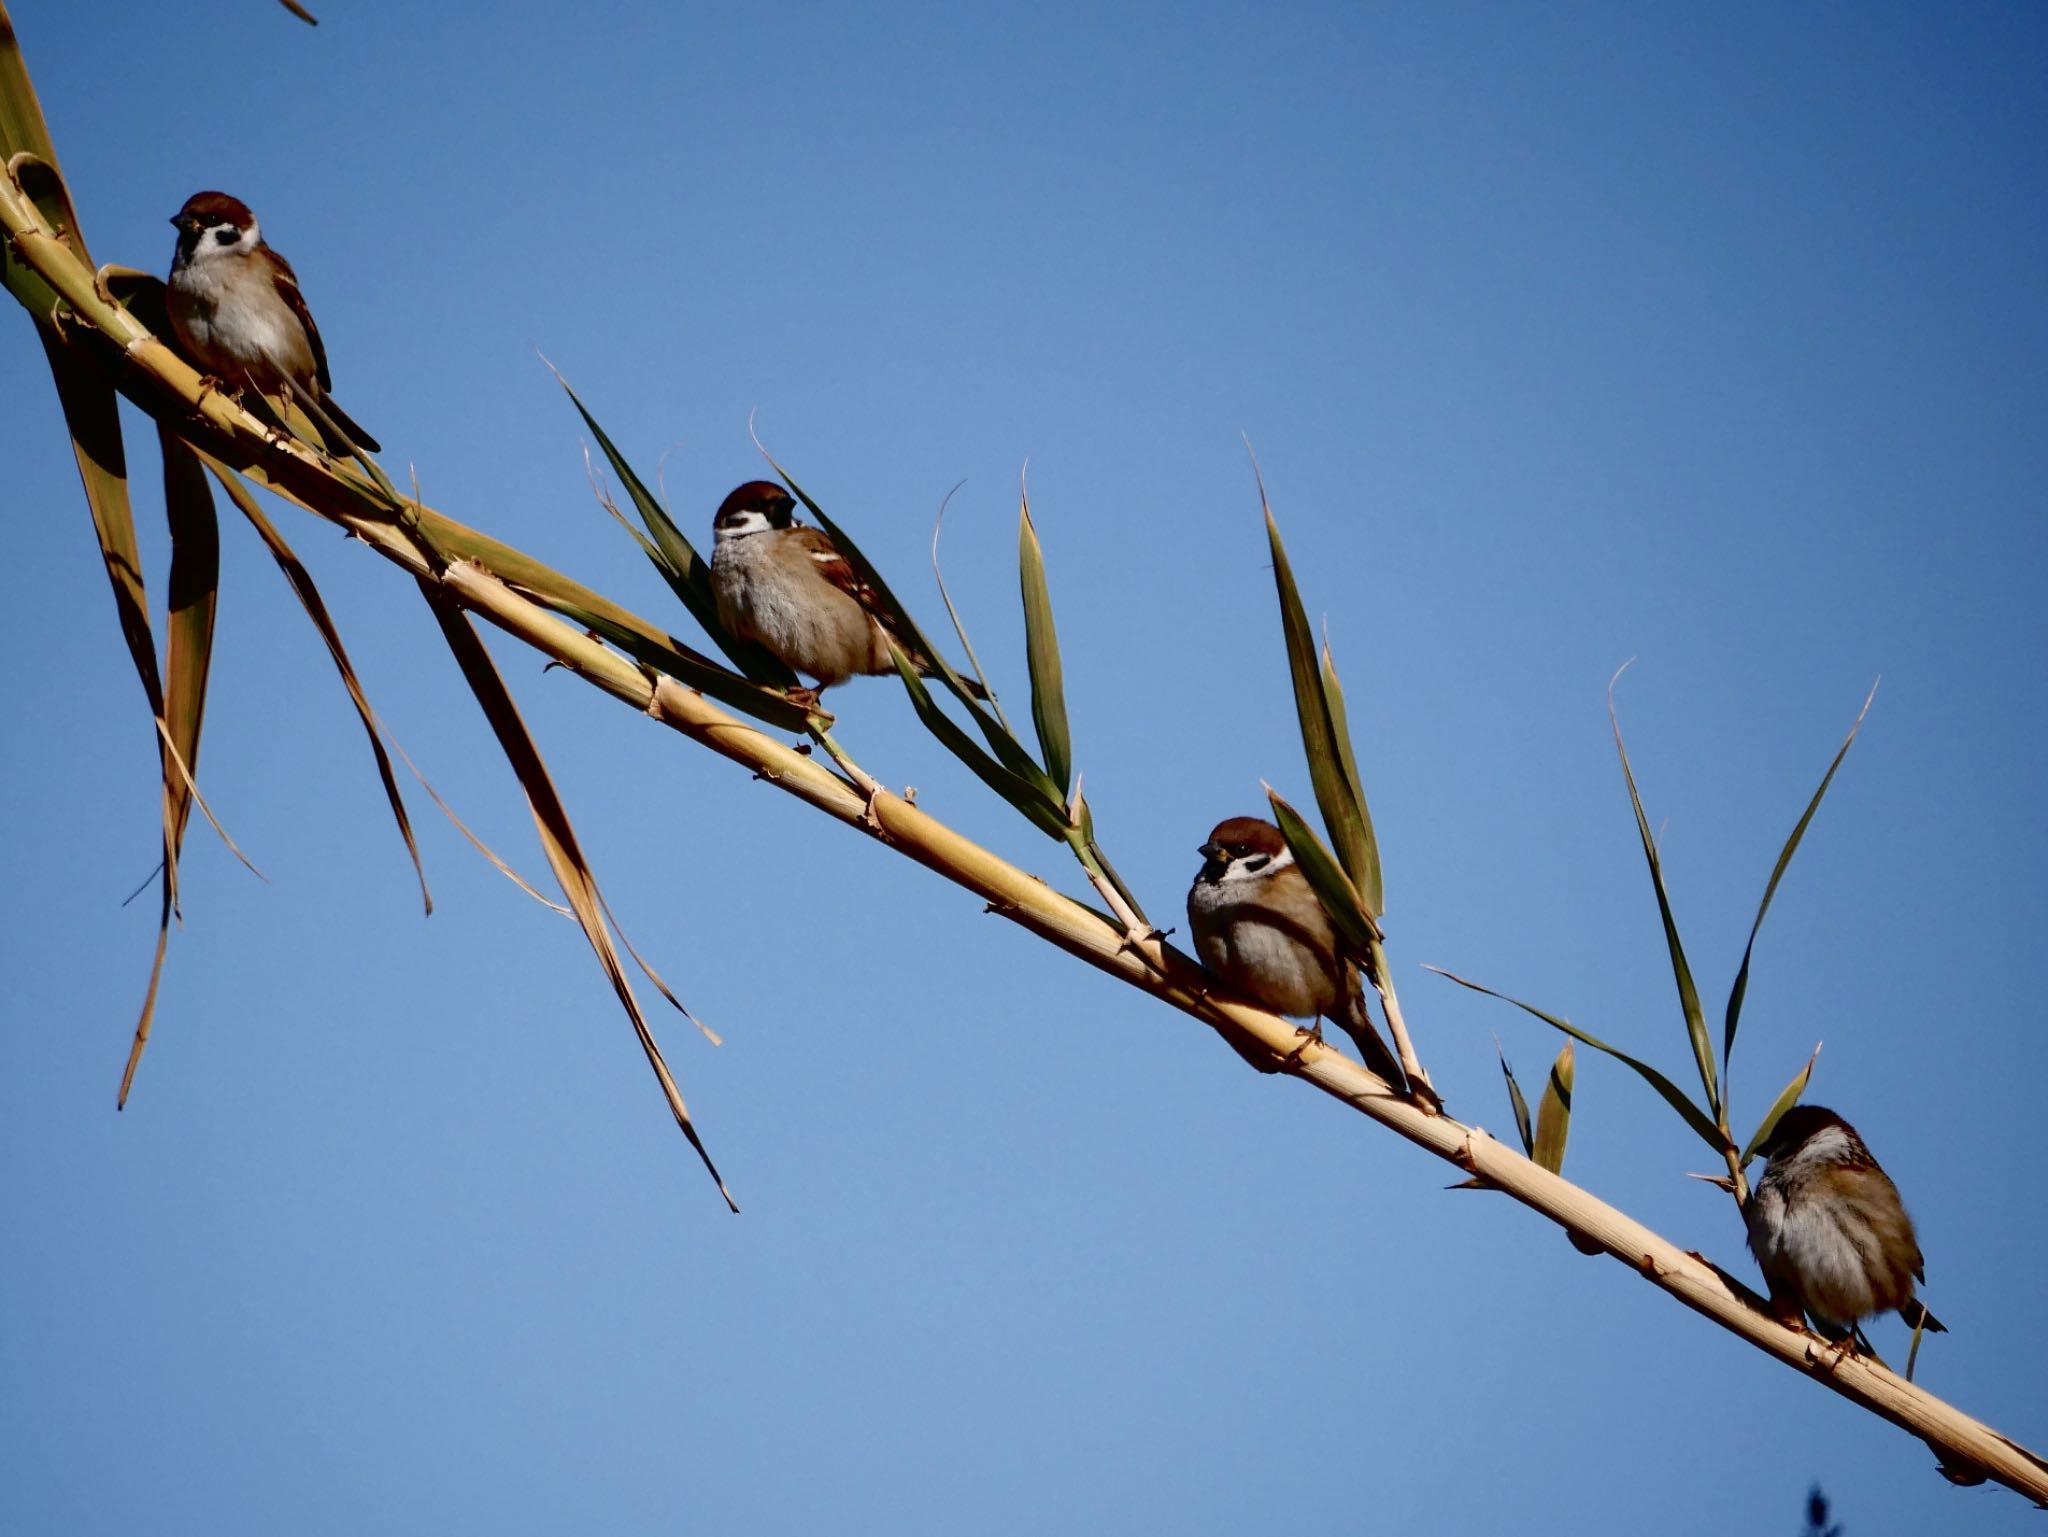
(771, 589)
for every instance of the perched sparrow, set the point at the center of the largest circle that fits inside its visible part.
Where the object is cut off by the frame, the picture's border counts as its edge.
(1262, 929)
(1828, 1228)
(237, 312)
(786, 587)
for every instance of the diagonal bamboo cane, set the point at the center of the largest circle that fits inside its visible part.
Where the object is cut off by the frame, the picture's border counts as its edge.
(493, 580)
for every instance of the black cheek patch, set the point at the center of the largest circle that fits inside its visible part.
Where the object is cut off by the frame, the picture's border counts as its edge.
(226, 236)
(1260, 863)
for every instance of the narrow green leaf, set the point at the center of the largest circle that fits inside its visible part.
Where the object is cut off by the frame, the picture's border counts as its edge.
(1355, 926)
(1741, 988)
(1554, 1114)
(678, 557)
(1342, 805)
(1042, 651)
(1681, 970)
(1520, 1105)
(1021, 793)
(686, 572)
(690, 670)
(1333, 692)
(558, 841)
(953, 613)
(1707, 1131)
(1787, 1098)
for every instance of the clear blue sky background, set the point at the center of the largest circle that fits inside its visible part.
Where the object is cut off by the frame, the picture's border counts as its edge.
(1712, 337)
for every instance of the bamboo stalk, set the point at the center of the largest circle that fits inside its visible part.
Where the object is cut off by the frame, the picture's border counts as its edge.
(484, 577)
(1383, 984)
(1962, 1441)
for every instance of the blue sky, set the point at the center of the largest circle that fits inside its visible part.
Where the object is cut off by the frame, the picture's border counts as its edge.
(1708, 337)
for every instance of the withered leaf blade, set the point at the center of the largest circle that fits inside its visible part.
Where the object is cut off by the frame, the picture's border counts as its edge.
(302, 585)
(559, 842)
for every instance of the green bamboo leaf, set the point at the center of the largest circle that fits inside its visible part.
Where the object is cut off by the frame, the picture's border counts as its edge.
(687, 573)
(1554, 1114)
(1515, 1099)
(1787, 1098)
(1708, 1132)
(1042, 651)
(676, 555)
(1741, 988)
(1324, 743)
(1333, 691)
(691, 670)
(1681, 970)
(1027, 797)
(1355, 926)
(953, 613)
(558, 841)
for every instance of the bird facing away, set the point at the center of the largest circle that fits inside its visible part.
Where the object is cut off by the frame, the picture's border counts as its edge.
(237, 313)
(785, 586)
(1260, 927)
(1828, 1228)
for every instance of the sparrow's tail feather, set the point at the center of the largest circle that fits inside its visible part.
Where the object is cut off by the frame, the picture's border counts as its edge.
(1372, 1050)
(1915, 1313)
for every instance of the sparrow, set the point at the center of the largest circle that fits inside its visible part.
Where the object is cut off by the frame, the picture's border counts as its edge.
(1829, 1230)
(237, 312)
(1262, 929)
(785, 586)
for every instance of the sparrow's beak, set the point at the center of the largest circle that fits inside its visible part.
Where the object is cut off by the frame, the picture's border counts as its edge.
(1211, 852)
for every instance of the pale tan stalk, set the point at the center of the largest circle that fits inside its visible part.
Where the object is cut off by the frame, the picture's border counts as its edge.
(160, 383)
(1383, 984)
